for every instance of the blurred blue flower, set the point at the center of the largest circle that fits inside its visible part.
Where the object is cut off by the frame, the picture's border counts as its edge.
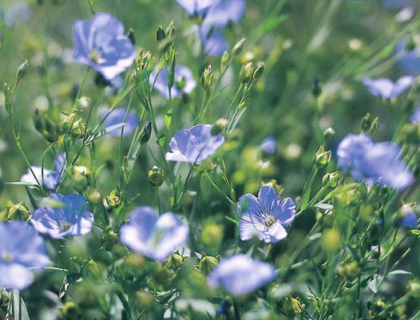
(240, 274)
(153, 236)
(18, 11)
(225, 12)
(22, 251)
(373, 162)
(214, 41)
(116, 117)
(48, 178)
(194, 145)
(197, 7)
(398, 4)
(265, 216)
(60, 216)
(386, 89)
(409, 62)
(269, 145)
(101, 44)
(415, 117)
(184, 82)
(409, 219)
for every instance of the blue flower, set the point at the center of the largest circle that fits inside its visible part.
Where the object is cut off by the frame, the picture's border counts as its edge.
(60, 216)
(415, 118)
(269, 145)
(152, 236)
(117, 116)
(240, 274)
(409, 220)
(265, 217)
(184, 82)
(197, 7)
(22, 251)
(225, 12)
(194, 145)
(373, 162)
(386, 89)
(48, 178)
(409, 62)
(101, 44)
(214, 42)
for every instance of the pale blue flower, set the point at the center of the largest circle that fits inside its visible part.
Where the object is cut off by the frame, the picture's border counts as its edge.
(240, 274)
(214, 42)
(101, 44)
(60, 216)
(48, 178)
(373, 162)
(415, 117)
(116, 117)
(386, 89)
(194, 145)
(22, 252)
(152, 236)
(266, 216)
(197, 7)
(409, 62)
(184, 82)
(269, 145)
(225, 12)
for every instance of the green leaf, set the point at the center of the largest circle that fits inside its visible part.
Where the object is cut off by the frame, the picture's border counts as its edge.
(19, 310)
(168, 118)
(161, 140)
(271, 24)
(400, 272)
(103, 132)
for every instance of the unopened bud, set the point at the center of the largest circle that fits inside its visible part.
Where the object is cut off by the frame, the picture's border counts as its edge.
(160, 34)
(331, 179)
(145, 133)
(131, 36)
(18, 212)
(259, 71)
(170, 31)
(292, 307)
(246, 72)
(366, 123)
(322, 158)
(207, 264)
(239, 46)
(316, 88)
(114, 198)
(22, 71)
(219, 126)
(174, 261)
(328, 134)
(156, 176)
(206, 78)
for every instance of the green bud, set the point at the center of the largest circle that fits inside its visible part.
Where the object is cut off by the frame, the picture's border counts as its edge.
(328, 134)
(46, 127)
(78, 129)
(162, 274)
(95, 197)
(316, 88)
(114, 198)
(322, 158)
(239, 46)
(331, 179)
(22, 71)
(206, 78)
(160, 34)
(109, 239)
(71, 311)
(246, 72)
(259, 71)
(4, 299)
(219, 126)
(292, 307)
(224, 60)
(212, 234)
(156, 176)
(131, 36)
(81, 178)
(366, 123)
(8, 97)
(349, 270)
(375, 126)
(145, 133)
(170, 31)
(18, 212)
(207, 264)
(174, 262)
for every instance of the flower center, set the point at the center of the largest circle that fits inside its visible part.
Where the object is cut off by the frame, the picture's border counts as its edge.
(269, 221)
(95, 56)
(64, 226)
(7, 257)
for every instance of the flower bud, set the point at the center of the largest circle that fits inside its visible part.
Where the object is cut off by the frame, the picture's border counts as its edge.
(109, 239)
(156, 176)
(4, 299)
(78, 129)
(175, 261)
(207, 264)
(114, 198)
(292, 307)
(95, 197)
(316, 88)
(144, 298)
(328, 134)
(160, 34)
(246, 72)
(219, 126)
(170, 30)
(7, 97)
(259, 71)
(162, 274)
(374, 127)
(206, 78)
(322, 158)
(349, 270)
(212, 234)
(131, 36)
(366, 123)
(331, 179)
(145, 133)
(239, 46)
(224, 60)
(331, 241)
(22, 71)
(18, 212)
(81, 177)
